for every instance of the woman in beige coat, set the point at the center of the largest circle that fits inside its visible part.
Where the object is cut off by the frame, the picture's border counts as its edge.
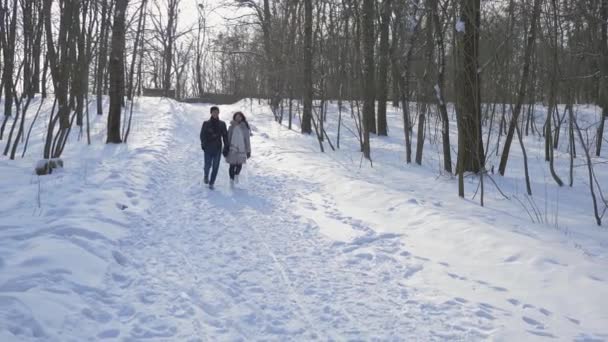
(239, 146)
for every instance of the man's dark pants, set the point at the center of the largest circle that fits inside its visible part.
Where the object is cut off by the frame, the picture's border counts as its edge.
(212, 158)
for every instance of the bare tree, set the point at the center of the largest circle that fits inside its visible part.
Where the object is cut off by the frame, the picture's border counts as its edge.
(116, 68)
(468, 103)
(384, 59)
(440, 86)
(522, 86)
(369, 103)
(102, 59)
(61, 65)
(201, 37)
(136, 46)
(603, 93)
(8, 30)
(308, 83)
(404, 73)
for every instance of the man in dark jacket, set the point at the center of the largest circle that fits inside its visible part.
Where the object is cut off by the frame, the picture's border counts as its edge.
(212, 133)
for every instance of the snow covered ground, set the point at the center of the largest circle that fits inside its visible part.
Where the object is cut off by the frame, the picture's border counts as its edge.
(126, 243)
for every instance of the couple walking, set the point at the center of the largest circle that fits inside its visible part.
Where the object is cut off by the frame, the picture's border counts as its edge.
(236, 145)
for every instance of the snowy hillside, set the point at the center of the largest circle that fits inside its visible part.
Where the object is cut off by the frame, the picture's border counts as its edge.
(126, 243)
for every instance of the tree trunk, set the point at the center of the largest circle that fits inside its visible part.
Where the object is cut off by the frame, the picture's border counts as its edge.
(470, 145)
(201, 34)
(603, 94)
(384, 63)
(425, 88)
(61, 65)
(369, 98)
(138, 37)
(82, 71)
(404, 74)
(37, 52)
(116, 67)
(439, 88)
(8, 49)
(598, 218)
(102, 54)
(306, 126)
(170, 32)
(522, 87)
(553, 98)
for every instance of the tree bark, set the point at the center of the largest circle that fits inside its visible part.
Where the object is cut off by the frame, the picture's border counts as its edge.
(369, 96)
(439, 88)
(383, 65)
(102, 54)
(468, 105)
(306, 125)
(61, 65)
(553, 99)
(425, 90)
(170, 32)
(522, 87)
(37, 51)
(117, 72)
(8, 50)
(138, 37)
(603, 94)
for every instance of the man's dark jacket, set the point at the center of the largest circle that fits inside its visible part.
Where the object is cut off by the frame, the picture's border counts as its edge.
(212, 134)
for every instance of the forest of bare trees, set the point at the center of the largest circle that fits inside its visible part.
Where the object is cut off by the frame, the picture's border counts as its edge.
(484, 65)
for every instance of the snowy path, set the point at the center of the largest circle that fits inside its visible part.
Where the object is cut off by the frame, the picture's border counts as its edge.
(309, 247)
(239, 263)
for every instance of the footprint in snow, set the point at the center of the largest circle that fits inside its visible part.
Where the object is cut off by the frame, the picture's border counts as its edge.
(120, 278)
(541, 333)
(365, 256)
(596, 278)
(512, 258)
(456, 276)
(126, 312)
(148, 297)
(98, 316)
(553, 262)
(483, 314)
(513, 301)
(415, 222)
(575, 321)
(111, 333)
(422, 258)
(152, 327)
(498, 289)
(411, 271)
(119, 258)
(181, 311)
(533, 322)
